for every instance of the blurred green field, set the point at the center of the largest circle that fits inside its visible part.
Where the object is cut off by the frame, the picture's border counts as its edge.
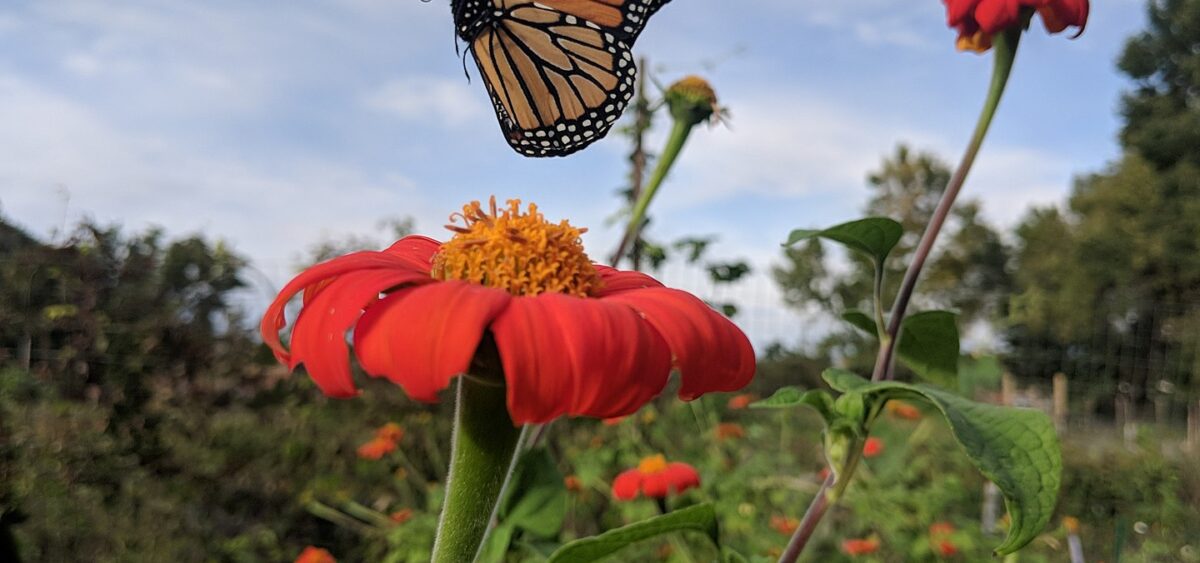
(258, 477)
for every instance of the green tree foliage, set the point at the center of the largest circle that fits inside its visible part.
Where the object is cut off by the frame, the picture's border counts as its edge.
(1113, 282)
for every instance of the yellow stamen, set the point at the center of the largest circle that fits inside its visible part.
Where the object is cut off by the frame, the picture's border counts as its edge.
(653, 464)
(521, 253)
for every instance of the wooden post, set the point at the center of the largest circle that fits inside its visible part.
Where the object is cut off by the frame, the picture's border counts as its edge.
(1193, 433)
(1061, 404)
(1008, 389)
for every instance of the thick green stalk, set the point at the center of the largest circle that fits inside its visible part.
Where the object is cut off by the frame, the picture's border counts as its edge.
(679, 135)
(482, 450)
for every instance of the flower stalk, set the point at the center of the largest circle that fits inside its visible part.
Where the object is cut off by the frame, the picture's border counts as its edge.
(1004, 52)
(482, 451)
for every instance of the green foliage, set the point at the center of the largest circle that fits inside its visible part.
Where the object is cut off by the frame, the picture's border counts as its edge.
(874, 236)
(700, 518)
(928, 345)
(1016, 449)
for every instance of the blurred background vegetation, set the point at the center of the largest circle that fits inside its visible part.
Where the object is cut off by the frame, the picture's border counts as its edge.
(142, 420)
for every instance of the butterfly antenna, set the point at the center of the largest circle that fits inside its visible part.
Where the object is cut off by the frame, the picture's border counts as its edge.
(464, 63)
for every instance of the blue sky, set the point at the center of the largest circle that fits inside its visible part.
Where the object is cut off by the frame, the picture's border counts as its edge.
(274, 124)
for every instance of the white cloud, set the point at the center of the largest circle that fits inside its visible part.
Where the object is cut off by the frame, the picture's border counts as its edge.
(427, 99)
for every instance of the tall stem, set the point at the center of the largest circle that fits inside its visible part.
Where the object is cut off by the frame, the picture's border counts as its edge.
(1004, 50)
(484, 443)
(679, 135)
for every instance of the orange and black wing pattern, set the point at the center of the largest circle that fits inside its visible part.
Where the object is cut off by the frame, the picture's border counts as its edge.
(559, 72)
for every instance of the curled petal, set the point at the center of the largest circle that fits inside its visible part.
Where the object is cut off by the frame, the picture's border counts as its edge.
(319, 339)
(567, 355)
(711, 353)
(627, 485)
(423, 337)
(614, 281)
(675, 479)
(416, 250)
(320, 276)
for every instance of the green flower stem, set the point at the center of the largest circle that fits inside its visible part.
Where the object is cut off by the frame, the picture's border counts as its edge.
(374, 517)
(326, 512)
(679, 135)
(481, 455)
(1004, 49)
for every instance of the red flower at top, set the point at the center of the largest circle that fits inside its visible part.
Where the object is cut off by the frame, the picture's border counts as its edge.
(978, 20)
(574, 338)
(862, 546)
(655, 478)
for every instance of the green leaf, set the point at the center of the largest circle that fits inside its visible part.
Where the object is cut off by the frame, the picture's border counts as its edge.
(928, 343)
(1017, 449)
(537, 499)
(496, 546)
(843, 380)
(699, 518)
(873, 236)
(788, 397)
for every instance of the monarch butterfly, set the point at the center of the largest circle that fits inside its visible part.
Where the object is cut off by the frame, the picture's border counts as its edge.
(559, 72)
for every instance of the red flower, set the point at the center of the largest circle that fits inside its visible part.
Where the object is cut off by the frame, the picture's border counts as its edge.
(938, 529)
(946, 548)
(376, 448)
(784, 524)
(730, 430)
(863, 546)
(573, 338)
(401, 516)
(739, 402)
(390, 431)
(872, 447)
(655, 478)
(978, 20)
(572, 483)
(315, 555)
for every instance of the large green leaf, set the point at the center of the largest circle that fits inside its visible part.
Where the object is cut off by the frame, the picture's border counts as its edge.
(537, 498)
(1017, 449)
(873, 236)
(928, 343)
(788, 397)
(699, 518)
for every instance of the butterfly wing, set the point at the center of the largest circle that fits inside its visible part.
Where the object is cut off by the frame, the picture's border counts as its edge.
(560, 72)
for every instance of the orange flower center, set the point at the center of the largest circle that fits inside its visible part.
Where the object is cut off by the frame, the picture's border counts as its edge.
(521, 253)
(653, 464)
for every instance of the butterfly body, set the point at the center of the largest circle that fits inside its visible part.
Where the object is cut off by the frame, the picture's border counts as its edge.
(559, 72)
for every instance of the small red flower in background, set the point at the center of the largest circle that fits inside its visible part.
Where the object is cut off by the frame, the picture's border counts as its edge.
(315, 555)
(655, 478)
(376, 448)
(978, 20)
(872, 447)
(823, 474)
(785, 525)
(939, 533)
(946, 548)
(862, 546)
(901, 409)
(401, 516)
(572, 483)
(390, 431)
(613, 421)
(574, 338)
(730, 430)
(739, 402)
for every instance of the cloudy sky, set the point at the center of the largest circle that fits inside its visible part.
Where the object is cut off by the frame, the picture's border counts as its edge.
(273, 124)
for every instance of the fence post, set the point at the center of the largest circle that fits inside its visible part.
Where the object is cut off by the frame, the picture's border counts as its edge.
(1061, 403)
(1193, 432)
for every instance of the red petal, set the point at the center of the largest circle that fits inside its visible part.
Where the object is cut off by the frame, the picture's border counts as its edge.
(614, 281)
(416, 250)
(627, 485)
(423, 337)
(711, 353)
(675, 479)
(995, 15)
(319, 339)
(958, 10)
(320, 276)
(567, 355)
